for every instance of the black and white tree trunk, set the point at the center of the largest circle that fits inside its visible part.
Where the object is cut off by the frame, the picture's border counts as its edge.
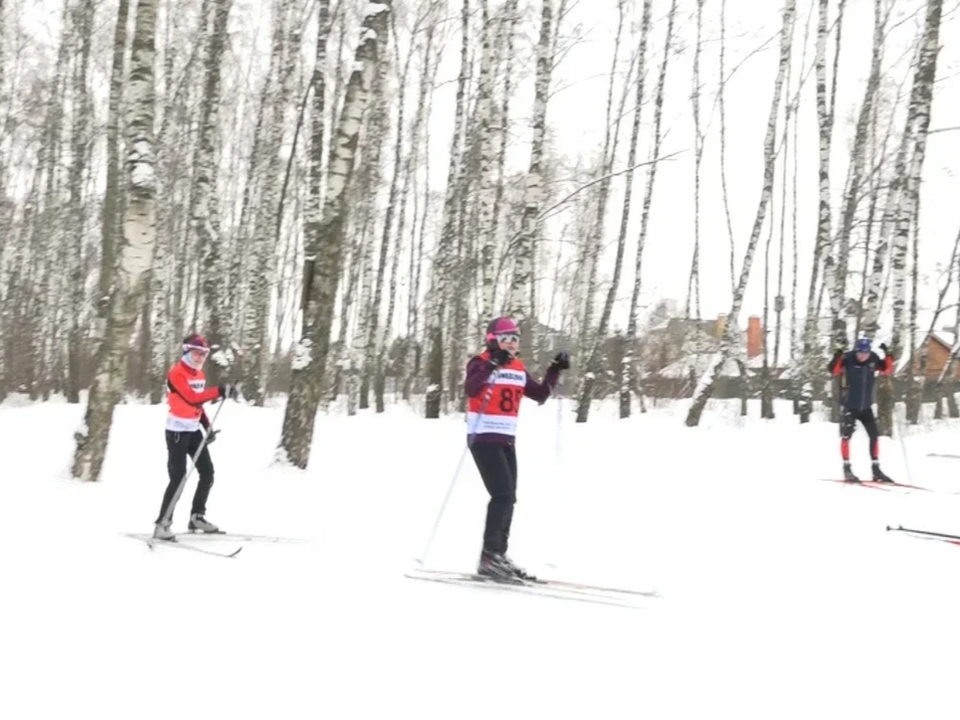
(908, 216)
(706, 383)
(324, 246)
(520, 296)
(630, 338)
(110, 217)
(79, 150)
(136, 251)
(204, 213)
(444, 257)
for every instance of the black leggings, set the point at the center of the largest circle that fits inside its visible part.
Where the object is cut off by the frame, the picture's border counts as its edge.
(498, 468)
(848, 423)
(179, 445)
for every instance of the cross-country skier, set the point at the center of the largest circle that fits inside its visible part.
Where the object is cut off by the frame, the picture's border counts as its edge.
(496, 382)
(857, 370)
(187, 394)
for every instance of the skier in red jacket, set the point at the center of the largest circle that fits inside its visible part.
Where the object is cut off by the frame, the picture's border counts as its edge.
(496, 382)
(187, 394)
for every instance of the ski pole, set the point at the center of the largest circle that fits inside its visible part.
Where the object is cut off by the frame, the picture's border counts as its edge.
(168, 515)
(456, 473)
(903, 446)
(559, 503)
(901, 528)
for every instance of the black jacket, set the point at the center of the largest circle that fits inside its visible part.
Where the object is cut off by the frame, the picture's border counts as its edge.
(858, 378)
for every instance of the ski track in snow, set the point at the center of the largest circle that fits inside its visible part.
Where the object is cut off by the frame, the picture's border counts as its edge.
(781, 596)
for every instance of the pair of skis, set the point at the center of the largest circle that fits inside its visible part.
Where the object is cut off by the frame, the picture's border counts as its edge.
(185, 541)
(877, 485)
(560, 589)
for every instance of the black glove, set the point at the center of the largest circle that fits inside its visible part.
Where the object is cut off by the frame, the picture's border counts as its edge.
(211, 436)
(886, 350)
(561, 361)
(500, 357)
(228, 390)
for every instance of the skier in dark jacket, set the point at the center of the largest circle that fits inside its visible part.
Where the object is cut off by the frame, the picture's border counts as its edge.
(496, 382)
(857, 371)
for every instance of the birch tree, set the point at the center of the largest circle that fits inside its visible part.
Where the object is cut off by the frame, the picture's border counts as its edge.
(918, 124)
(110, 216)
(265, 219)
(626, 383)
(324, 246)
(705, 385)
(204, 213)
(79, 150)
(487, 194)
(444, 253)
(136, 251)
(693, 284)
(520, 297)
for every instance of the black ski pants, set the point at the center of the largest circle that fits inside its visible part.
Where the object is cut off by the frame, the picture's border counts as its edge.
(848, 423)
(179, 446)
(498, 467)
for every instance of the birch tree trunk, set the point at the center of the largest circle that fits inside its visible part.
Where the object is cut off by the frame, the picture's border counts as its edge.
(822, 252)
(82, 118)
(594, 240)
(705, 384)
(264, 270)
(693, 284)
(110, 218)
(487, 195)
(444, 254)
(324, 247)
(521, 288)
(595, 348)
(721, 93)
(136, 251)
(373, 284)
(627, 381)
(400, 169)
(918, 123)
(204, 213)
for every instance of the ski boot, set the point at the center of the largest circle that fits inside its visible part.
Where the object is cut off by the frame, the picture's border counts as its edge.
(163, 532)
(848, 475)
(198, 523)
(879, 475)
(518, 571)
(493, 566)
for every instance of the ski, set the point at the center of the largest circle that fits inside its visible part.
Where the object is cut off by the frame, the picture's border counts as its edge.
(943, 455)
(523, 588)
(555, 583)
(927, 534)
(550, 588)
(861, 483)
(249, 537)
(177, 545)
(875, 483)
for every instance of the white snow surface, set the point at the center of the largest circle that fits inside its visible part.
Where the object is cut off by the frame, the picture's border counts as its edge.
(781, 596)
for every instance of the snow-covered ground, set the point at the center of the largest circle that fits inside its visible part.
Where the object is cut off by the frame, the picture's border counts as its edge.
(781, 596)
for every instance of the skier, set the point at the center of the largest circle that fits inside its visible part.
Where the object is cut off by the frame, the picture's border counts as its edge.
(187, 393)
(857, 370)
(495, 383)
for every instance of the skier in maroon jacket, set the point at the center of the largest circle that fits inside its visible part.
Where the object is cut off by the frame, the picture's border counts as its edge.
(496, 382)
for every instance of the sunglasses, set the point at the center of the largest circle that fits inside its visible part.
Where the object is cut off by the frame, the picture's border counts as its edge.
(508, 337)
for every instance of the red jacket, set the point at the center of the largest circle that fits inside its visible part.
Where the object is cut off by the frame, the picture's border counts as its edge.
(492, 414)
(187, 394)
